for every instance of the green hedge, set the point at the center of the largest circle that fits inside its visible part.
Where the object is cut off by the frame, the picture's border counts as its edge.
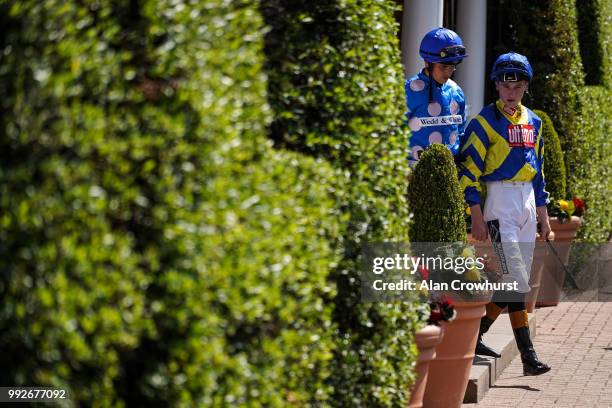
(154, 249)
(591, 156)
(336, 92)
(579, 114)
(593, 161)
(594, 31)
(554, 166)
(73, 281)
(269, 339)
(437, 217)
(546, 32)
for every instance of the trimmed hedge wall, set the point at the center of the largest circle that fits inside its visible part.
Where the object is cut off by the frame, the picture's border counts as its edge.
(269, 339)
(592, 155)
(579, 114)
(154, 250)
(594, 32)
(546, 32)
(336, 91)
(554, 166)
(436, 199)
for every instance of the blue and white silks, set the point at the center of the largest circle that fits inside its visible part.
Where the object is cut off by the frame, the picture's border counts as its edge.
(441, 121)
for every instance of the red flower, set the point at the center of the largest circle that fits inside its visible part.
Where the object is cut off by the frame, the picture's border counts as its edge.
(441, 311)
(579, 207)
(446, 301)
(434, 316)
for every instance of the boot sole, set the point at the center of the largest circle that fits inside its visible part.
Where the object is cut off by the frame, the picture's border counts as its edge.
(488, 354)
(540, 372)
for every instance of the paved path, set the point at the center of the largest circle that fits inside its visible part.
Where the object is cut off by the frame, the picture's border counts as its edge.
(575, 338)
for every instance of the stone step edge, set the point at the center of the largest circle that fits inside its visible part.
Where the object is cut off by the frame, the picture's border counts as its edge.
(485, 370)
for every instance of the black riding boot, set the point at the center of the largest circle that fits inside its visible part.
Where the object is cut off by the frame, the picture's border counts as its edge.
(481, 348)
(531, 364)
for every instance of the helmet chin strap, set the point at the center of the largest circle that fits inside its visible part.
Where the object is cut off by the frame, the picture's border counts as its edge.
(511, 110)
(430, 71)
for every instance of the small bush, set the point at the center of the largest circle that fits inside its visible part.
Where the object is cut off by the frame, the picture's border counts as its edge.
(554, 166)
(436, 199)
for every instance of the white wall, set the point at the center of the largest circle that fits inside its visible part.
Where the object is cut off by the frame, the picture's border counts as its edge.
(419, 17)
(471, 75)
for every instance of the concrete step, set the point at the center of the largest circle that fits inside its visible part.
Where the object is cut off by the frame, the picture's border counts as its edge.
(486, 370)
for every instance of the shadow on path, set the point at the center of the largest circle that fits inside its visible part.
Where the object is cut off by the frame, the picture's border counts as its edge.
(522, 387)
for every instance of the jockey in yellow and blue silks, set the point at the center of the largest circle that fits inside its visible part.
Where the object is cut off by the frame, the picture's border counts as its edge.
(504, 148)
(514, 146)
(436, 104)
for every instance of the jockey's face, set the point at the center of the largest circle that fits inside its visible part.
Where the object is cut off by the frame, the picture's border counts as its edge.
(442, 72)
(511, 93)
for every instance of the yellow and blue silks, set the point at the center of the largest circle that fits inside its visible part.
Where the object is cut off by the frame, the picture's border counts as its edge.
(500, 147)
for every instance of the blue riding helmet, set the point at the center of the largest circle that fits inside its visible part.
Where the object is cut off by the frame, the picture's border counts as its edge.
(511, 67)
(442, 45)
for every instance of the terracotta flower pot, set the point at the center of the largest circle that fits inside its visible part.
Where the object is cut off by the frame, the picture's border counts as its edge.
(553, 273)
(566, 231)
(537, 267)
(426, 339)
(449, 371)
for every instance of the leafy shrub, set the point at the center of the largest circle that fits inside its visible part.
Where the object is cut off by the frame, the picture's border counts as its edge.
(336, 92)
(436, 199)
(579, 114)
(154, 249)
(266, 313)
(555, 57)
(593, 160)
(592, 155)
(594, 31)
(554, 166)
